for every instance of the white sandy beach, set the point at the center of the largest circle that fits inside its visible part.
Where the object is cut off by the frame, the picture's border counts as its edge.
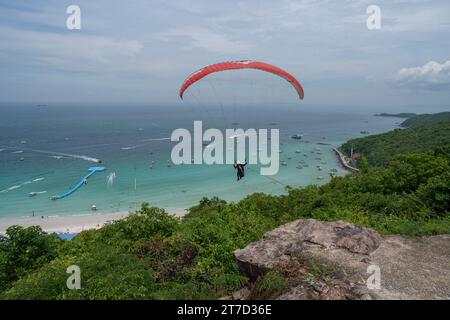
(71, 223)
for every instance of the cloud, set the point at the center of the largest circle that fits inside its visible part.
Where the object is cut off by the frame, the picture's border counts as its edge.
(432, 75)
(68, 52)
(206, 39)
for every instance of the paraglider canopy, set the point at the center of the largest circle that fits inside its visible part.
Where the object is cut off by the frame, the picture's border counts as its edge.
(246, 64)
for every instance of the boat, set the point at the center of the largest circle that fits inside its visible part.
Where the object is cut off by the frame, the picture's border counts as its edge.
(299, 167)
(298, 151)
(297, 136)
(364, 132)
(94, 207)
(283, 163)
(32, 194)
(319, 178)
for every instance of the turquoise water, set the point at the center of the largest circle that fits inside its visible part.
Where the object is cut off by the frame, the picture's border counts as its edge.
(128, 139)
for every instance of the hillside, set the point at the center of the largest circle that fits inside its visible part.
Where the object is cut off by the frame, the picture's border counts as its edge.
(425, 119)
(396, 115)
(378, 149)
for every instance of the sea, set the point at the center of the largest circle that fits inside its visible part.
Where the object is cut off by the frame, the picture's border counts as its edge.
(47, 149)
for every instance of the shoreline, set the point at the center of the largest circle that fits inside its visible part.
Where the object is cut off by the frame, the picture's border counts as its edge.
(73, 224)
(78, 222)
(343, 161)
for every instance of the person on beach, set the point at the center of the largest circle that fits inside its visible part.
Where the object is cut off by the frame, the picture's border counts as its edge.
(240, 169)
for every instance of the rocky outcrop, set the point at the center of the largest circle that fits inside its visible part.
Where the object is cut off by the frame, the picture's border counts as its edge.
(410, 268)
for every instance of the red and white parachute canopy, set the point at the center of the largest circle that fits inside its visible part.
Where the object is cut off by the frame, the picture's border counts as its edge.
(247, 64)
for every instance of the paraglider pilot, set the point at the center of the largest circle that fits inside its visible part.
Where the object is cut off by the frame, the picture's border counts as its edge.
(240, 169)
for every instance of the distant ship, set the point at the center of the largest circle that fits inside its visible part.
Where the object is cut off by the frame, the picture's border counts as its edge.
(297, 136)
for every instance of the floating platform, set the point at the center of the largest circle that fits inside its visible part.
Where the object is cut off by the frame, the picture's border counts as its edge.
(83, 181)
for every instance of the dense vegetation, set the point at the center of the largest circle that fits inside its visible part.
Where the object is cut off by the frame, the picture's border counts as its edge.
(153, 255)
(379, 149)
(426, 119)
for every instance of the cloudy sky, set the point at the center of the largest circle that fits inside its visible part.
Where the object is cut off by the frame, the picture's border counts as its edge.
(142, 50)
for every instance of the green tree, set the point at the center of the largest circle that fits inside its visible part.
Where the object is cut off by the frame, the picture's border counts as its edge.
(23, 250)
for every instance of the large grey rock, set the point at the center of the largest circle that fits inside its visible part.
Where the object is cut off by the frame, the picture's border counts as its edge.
(410, 268)
(304, 236)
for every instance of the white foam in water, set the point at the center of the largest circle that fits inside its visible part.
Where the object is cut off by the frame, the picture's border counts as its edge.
(129, 148)
(110, 179)
(156, 139)
(22, 184)
(83, 157)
